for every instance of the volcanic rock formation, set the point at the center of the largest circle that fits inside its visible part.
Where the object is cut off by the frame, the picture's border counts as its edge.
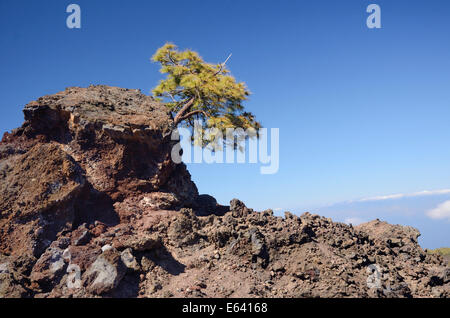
(91, 205)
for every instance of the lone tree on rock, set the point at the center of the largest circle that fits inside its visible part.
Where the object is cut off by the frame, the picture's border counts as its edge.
(194, 89)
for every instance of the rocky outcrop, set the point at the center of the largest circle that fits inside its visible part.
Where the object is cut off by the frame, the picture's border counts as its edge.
(91, 205)
(85, 155)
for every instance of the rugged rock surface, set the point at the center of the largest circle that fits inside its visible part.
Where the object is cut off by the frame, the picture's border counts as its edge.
(92, 206)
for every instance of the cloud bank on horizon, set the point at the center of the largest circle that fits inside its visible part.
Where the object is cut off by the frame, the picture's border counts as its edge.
(405, 195)
(442, 211)
(428, 211)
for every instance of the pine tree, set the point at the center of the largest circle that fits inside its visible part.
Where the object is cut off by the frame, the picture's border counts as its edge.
(194, 89)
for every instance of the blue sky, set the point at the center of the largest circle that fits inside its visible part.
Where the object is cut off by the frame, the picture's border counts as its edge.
(361, 112)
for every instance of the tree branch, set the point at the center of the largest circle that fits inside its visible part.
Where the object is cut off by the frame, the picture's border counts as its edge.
(179, 116)
(223, 65)
(193, 113)
(171, 59)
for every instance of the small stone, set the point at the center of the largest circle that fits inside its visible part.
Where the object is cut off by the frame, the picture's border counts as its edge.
(83, 238)
(278, 267)
(129, 260)
(50, 264)
(105, 273)
(66, 255)
(288, 215)
(4, 268)
(106, 247)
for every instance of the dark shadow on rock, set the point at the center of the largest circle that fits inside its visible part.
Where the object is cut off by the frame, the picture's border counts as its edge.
(163, 258)
(127, 288)
(221, 209)
(207, 205)
(95, 206)
(47, 285)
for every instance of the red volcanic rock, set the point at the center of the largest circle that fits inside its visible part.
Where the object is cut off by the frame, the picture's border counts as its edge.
(79, 154)
(38, 191)
(92, 205)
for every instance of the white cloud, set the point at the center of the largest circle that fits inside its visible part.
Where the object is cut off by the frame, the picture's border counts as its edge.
(406, 195)
(442, 211)
(354, 221)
